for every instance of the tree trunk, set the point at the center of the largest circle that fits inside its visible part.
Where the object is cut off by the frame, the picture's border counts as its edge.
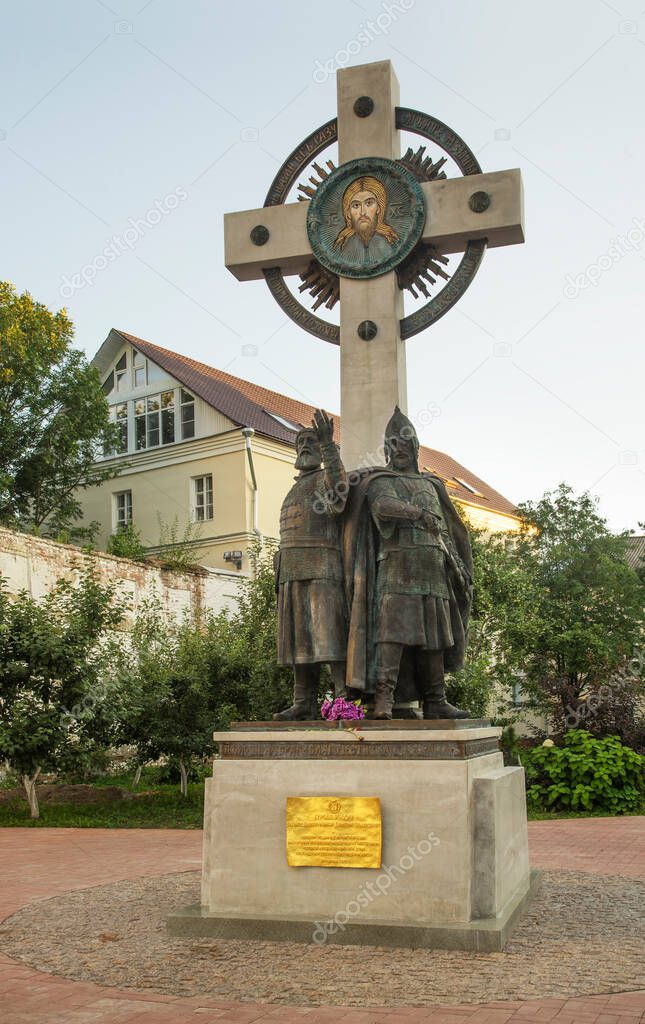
(137, 776)
(184, 777)
(29, 782)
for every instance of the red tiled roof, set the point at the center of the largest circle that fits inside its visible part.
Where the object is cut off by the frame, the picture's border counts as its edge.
(250, 405)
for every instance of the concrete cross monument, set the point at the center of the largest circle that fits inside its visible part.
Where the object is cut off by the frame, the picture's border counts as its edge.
(369, 228)
(300, 814)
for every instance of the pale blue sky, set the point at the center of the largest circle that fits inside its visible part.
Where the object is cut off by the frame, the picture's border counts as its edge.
(107, 107)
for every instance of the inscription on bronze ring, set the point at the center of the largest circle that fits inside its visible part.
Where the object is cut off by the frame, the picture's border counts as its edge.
(357, 751)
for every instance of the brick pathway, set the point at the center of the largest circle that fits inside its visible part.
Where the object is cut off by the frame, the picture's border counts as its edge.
(40, 863)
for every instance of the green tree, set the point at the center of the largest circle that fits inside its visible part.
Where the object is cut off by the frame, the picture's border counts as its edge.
(53, 417)
(178, 684)
(175, 687)
(264, 686)
(55, 710)
(583, 619)
(501, 599)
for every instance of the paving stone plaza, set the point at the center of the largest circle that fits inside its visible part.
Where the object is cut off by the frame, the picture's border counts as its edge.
(42, 865)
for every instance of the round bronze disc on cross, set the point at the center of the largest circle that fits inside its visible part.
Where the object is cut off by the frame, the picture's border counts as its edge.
(365, 218)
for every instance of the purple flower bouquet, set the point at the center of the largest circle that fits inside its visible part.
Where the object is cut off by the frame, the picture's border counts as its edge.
(341, 708)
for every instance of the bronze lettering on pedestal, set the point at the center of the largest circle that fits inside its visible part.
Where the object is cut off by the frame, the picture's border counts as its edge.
(334, 831)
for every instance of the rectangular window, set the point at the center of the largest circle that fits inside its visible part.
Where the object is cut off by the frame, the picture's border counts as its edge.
(519, 696)
(122, 510)
(167, 417)
(121, 418)
(140, 424)
(152, 429)
(202, 498)
(154, 420)
(187, 415)
(121, 370)
(139, 369)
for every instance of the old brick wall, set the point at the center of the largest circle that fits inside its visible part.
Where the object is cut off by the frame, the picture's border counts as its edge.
(34, 564)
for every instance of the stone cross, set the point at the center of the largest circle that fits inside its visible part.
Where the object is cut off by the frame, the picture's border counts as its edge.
(373, 373)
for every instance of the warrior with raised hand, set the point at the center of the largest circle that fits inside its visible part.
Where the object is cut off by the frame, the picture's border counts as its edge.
(312, 612)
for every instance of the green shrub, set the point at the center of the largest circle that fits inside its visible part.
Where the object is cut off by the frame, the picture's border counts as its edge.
(127, 543)
(585, 774)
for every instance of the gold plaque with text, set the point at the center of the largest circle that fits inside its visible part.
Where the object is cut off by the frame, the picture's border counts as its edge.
(334, 831)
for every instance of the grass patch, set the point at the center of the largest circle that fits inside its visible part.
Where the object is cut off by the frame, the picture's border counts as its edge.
(159, 805)
(537, 815)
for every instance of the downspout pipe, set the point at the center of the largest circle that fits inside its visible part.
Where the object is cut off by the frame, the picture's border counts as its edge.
(247, 434)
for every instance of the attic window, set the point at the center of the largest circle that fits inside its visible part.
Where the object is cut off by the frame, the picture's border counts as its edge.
(469, 487)
(108, 383)
(281, 420)
(121, 370)
(187, 415)
(138, 369)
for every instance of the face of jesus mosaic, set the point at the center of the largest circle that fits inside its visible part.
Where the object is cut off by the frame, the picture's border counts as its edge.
(365, 203)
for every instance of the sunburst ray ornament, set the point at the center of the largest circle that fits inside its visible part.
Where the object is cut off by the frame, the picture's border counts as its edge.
(323, 285)
(310, 190)
(423, 262)
(422, 166)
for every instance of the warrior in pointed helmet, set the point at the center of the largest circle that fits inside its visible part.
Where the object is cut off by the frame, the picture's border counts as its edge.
(409, 580)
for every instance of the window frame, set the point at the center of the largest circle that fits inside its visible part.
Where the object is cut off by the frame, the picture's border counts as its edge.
(207, 504)
(117, 524)
(185, 401)
(139, 365)
(154, 421)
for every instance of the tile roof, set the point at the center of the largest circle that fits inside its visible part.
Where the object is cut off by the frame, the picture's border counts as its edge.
(635, 552)
(251, 405)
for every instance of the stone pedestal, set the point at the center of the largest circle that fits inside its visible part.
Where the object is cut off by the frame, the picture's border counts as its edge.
(455, 868)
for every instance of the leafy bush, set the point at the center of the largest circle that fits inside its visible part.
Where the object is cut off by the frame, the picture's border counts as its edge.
(127, 543)
(179, 548)
(585, 774)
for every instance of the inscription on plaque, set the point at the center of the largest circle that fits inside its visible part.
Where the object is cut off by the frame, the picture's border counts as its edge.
(334, 831)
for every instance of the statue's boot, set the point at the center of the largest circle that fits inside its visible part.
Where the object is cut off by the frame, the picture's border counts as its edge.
(433, 689)
(384, 699)
(305, 704)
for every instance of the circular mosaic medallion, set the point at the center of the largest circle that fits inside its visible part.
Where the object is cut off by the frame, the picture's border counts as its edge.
(365, 218)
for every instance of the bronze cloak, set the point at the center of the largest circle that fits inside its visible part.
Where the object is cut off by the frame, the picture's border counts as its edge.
(359, 560)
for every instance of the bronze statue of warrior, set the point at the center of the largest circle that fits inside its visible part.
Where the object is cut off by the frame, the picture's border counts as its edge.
(312, 611)
(409, 567)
